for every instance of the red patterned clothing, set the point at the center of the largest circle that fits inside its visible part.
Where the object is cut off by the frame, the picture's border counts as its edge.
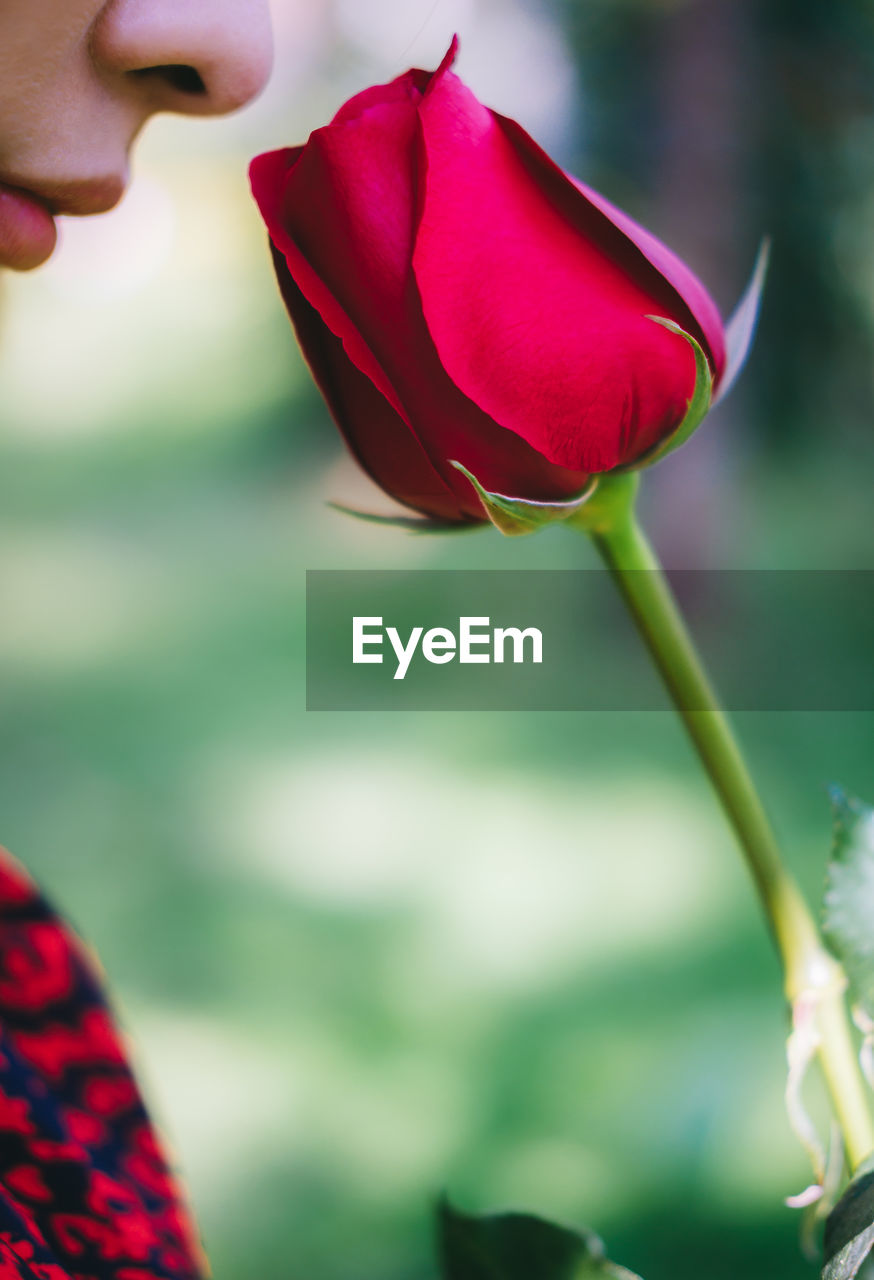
(85, 1191)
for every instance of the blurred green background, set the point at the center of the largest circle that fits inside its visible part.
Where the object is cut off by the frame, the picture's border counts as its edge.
(368, 957)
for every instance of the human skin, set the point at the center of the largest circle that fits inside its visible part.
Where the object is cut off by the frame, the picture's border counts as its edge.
(79, 79)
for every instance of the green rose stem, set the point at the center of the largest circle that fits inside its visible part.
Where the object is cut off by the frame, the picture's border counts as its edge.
(809, 970)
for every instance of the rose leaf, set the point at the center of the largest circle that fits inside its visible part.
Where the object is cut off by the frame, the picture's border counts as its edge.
(519, 1246)
(849, 1230)
(848, 907)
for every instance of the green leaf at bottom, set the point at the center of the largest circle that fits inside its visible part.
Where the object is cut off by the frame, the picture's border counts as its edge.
(519, 1246)
(849, 1230)
(848, 909)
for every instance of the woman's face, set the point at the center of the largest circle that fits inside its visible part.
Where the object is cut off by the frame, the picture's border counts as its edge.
(78, 79)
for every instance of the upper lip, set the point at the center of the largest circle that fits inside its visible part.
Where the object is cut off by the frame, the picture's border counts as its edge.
(77, 198)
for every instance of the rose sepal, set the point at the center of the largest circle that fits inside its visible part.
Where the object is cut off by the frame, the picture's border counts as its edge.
(516, 516)
(741, 327)
(697, 406)
(412, 524)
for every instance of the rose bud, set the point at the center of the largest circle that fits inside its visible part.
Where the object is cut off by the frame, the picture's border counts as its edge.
(461, 300)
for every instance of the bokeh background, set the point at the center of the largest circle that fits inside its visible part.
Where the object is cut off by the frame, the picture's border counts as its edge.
(365, 958)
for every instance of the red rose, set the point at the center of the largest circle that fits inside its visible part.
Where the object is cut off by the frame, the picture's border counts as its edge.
(459, 297)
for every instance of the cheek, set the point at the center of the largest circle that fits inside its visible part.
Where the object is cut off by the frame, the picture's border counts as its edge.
(43, 58)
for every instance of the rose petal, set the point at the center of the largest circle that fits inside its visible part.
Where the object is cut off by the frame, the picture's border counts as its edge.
(630, 244)
(343, 224)
(391, 453)
(704, 321)
(538, 324)
(380, 439)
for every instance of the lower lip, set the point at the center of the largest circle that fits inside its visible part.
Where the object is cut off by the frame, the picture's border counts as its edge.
(27, 230)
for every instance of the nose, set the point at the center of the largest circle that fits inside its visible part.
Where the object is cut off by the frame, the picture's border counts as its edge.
(200, 57)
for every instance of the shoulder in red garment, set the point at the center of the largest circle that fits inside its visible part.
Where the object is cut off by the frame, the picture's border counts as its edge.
(85, 1190)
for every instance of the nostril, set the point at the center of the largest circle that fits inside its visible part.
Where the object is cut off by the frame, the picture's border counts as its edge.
(182, 78)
